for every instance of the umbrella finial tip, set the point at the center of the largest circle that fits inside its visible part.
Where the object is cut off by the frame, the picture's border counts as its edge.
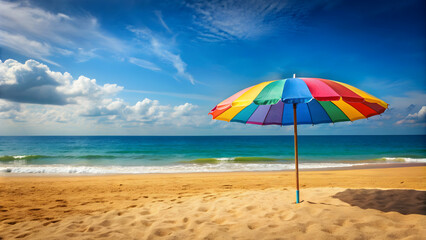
(294, 75)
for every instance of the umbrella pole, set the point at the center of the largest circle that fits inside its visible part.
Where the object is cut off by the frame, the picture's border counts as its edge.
(296, 154)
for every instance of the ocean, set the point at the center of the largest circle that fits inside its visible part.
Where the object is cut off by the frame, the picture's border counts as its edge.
(181, 154)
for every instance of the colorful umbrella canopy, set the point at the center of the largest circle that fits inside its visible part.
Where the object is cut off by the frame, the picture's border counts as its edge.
(294, 101)
(318, 101)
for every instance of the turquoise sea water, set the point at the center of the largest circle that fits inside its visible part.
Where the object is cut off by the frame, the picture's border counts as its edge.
(145, 154)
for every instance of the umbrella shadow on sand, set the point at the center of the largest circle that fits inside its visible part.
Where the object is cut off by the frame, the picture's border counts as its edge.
(397, 200)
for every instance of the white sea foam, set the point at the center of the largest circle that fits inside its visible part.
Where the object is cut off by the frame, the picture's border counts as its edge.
(225, 159)
(226, 165)
(403, 159)
(182, 168)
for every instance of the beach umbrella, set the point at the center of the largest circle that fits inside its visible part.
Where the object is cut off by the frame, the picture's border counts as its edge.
(295, 101)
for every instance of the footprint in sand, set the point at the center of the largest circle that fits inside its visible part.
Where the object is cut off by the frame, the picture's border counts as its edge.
(202, 209)
(250, 207)
(35, 209)
(105, 223)
(219, 220)
(90, 229)
(169, 221)
(146, 223)
(252, 226)
(145, 212)
(161, 232)
(22, 235)
(288, 217)
(199, 221)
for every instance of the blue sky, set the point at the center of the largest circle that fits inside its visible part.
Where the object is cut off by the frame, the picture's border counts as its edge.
(158, 67)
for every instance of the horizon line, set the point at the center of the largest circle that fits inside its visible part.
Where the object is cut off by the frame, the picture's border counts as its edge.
(210, 135)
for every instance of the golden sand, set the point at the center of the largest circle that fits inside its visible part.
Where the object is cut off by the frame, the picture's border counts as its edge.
(344, 204)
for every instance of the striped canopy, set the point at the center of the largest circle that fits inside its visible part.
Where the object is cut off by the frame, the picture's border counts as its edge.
(318, 101)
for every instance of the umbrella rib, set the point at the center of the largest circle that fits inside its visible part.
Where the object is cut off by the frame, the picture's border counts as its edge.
(310, 115)
(263, 123)
(372, 110)
(341, 111)
(366, 116)
(252, 112)
(331, 119)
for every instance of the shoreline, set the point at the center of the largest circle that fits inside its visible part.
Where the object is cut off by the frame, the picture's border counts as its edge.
(362, 166)
(334, 174)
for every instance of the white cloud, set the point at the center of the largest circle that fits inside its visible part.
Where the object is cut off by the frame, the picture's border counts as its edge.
(6, 106)
(228, 20)
(162, 51)
(26, 47)
(182, 110)
(144, 64)
(33, 82)
(37, 33)
(414, 118)
(58, 98)
(161, 20)
(221, 20)
(85, 55)
(9, 110)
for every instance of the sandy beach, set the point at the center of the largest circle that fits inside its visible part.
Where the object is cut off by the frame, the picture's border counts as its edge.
(381, 203)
